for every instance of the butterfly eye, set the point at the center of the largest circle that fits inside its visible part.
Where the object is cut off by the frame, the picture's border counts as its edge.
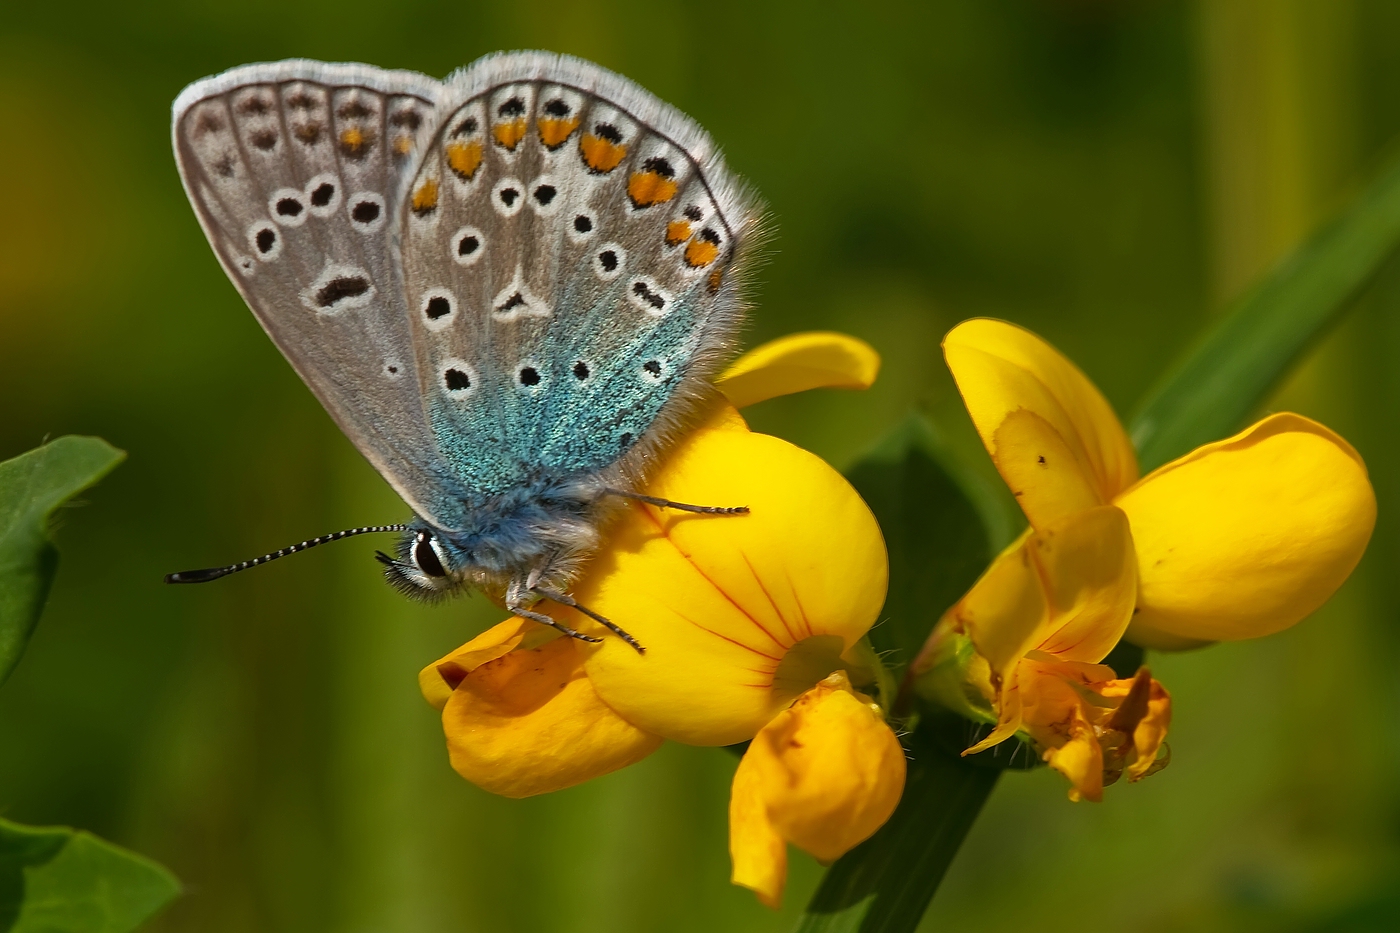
(426, 556)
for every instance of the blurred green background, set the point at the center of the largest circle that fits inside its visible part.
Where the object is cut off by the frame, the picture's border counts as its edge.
(1106, 172)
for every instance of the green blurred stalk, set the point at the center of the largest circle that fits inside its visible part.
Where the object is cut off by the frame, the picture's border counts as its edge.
(886, 883)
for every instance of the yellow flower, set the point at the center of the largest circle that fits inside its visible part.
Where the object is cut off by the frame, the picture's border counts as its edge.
(754, 625)
(1237, 539)
(817, 776)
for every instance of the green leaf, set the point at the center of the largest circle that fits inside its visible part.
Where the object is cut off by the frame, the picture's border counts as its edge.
(32, 485)
(941, 523)
(59, 880)
(884, 885)
(1233, 368)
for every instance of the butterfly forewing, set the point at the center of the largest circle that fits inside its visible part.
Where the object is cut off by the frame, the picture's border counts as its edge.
(296, 170)
(565, 247)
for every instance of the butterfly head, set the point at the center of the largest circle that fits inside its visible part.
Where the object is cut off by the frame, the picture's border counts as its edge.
(427, 566)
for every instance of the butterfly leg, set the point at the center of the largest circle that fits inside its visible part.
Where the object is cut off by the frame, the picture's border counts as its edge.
(516, 598)
(564, 599)
(681, 506)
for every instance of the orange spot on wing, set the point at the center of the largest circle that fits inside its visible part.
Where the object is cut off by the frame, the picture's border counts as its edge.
(554, 132)
(403, 145)
(464, 158)
(677, 232)
(648, 188)
(716, 278)
(509, 134)
(355, 142)
(426, 197)
(701, 253)
(600, 154)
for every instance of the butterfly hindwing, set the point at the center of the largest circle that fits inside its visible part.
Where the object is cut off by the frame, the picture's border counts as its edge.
(296, 171)
(566, 239)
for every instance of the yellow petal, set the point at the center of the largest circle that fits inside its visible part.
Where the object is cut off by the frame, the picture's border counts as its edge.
(529, 722)
(1005, 609)
(1090, 573)
(757, 852)
(798, 362)
(1248, 536)
(1067, 591)
(719, 601)
(1041, 470)
(439, 679)
(1001, 368)
(825, 774)
(1081, 760)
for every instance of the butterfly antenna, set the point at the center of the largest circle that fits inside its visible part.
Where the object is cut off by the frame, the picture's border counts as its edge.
(214, 573)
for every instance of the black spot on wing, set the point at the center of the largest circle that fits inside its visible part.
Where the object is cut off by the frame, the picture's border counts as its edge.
(341, 288)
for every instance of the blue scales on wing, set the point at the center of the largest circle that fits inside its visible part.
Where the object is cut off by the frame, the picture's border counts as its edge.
(567, 244)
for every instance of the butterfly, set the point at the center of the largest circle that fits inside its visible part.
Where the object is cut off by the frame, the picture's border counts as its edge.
(510, 289)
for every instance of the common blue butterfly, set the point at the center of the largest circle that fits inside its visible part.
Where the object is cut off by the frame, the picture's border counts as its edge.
(510, 289)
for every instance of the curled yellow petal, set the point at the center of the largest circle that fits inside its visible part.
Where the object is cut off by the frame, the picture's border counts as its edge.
(528, 721)
(824, 775)
(720, 601)
(1067, 591)
(798, 362)
(1001, 368)
(439, 679)
(1090, 573)
(1249, 535)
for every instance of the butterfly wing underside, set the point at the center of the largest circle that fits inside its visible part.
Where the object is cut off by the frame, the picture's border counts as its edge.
(295, 170)
(567, 240)
(525, 271)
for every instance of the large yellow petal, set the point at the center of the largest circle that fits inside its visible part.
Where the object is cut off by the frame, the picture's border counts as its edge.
(1041, 470)
(719, 601)
(798, 362)
(825, 774)
(529, 722)
(1249, 535)
(1001, 368)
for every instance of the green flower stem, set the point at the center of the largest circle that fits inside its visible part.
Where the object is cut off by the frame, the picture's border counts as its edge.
(885, 884)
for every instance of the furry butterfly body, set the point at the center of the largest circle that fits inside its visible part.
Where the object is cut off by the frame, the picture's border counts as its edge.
(510, 288)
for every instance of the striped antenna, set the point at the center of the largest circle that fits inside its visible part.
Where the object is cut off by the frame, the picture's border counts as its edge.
(214, 573)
